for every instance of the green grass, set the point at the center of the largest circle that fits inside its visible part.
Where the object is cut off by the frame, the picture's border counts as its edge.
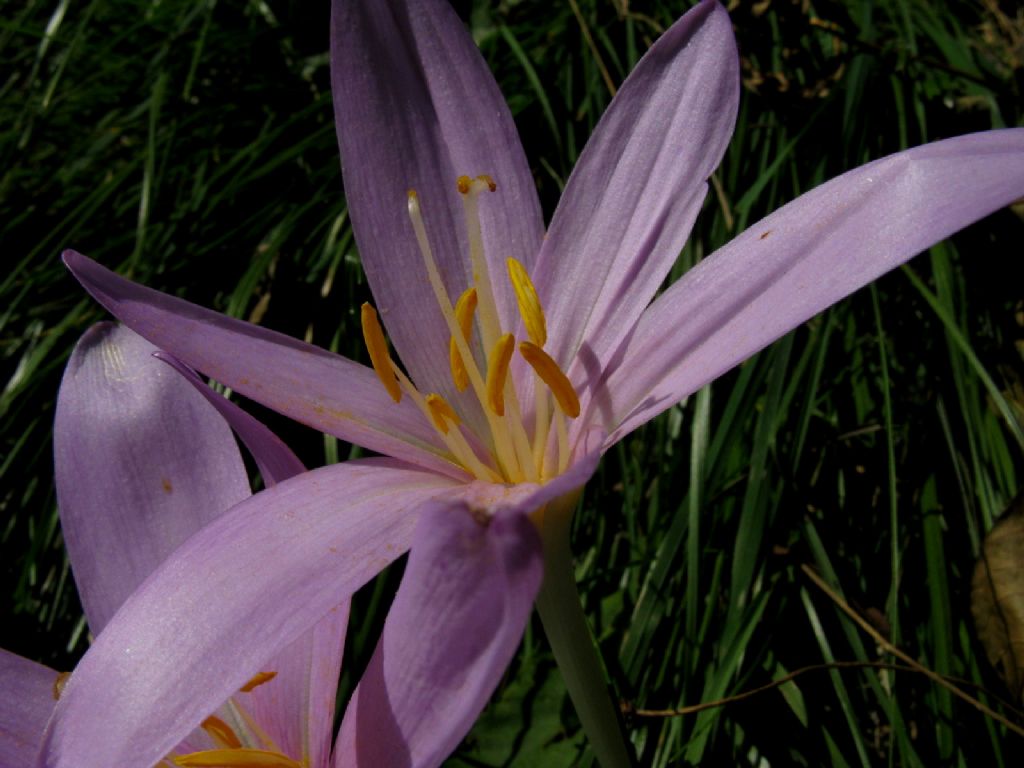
(191, 145)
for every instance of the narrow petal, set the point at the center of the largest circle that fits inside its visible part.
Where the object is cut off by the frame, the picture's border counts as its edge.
(456, 621)
(25, 706)
(415, 108)
(214, 612)
(141, 461)
(309, 384)
(636, 190)
(802, 258)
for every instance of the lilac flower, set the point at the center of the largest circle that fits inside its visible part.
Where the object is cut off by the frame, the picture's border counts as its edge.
(490, 440)
(142, 462)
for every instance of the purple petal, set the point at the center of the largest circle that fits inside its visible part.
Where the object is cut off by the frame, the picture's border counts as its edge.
(457, 619)
(214, 613)
(468, 587)
(802, 258)
(25, 706)
(527, 497)
(636, 190)
(274, 459)
(307, 383)
(141, 461)
(415, 108)
(296, 708)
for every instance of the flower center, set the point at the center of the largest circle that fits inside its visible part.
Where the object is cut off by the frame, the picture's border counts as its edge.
(509, 450)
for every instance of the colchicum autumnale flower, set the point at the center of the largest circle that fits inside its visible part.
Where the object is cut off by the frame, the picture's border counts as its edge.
(143, 461)
(524, 355)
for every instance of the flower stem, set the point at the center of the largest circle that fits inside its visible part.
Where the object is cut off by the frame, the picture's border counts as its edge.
(567, 630)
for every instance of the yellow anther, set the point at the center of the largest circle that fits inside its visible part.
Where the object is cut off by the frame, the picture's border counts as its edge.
(236, 758)
(221, 733)
(257, 680)
(549, 372)
(464, 184)
(441, 413)
(464, 309)
(497, 373)
(529, 303)
(491, 186)
(377, 346)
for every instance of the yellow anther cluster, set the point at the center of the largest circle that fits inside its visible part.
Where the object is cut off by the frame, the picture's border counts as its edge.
(511, 453)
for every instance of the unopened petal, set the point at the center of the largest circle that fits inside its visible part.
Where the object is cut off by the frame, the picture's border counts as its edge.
(275, 460)
(142, 462)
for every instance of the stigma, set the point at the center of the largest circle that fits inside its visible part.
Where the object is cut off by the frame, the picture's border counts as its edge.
(514, 447)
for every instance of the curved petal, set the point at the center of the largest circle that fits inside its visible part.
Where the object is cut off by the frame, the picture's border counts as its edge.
(416, 107)
(306, 383)
(214, 612)
(637, 188)
(27, 701)
(296, 707)
(456, 621)
(141, 462)
(273, 458)
(802, 258)
(471, 579)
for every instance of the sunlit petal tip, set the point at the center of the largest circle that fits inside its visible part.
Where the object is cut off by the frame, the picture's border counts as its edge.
(117, 403)
(634, 194)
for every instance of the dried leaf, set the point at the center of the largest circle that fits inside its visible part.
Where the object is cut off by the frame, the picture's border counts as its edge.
(997, 597)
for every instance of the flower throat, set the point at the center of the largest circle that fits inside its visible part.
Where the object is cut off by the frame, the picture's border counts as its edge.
(509, 452)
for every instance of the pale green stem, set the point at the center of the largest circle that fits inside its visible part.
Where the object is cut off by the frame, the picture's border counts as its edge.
(569, 634)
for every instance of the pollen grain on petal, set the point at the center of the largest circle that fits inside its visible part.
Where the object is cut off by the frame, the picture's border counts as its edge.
(465, 308)
(497, 373)
(442, 413)
(529, 303)
(58, 684)
(549, 372)
(257, 680)
(377, 346)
